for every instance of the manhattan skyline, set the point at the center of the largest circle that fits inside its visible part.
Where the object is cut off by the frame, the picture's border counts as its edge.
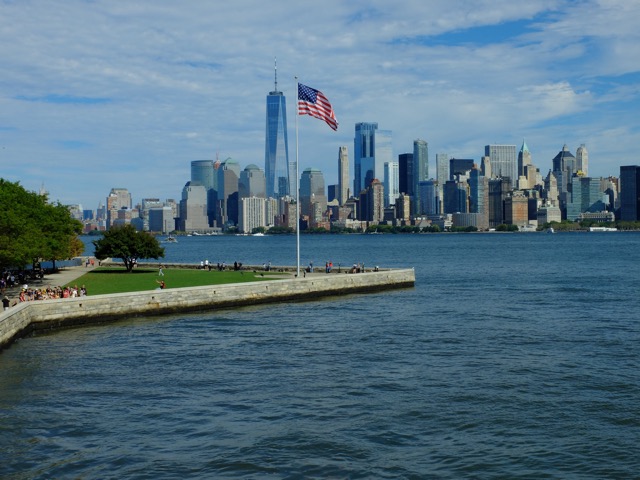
(99, 95)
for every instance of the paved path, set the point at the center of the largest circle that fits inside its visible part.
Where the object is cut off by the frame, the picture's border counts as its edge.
(64, 276)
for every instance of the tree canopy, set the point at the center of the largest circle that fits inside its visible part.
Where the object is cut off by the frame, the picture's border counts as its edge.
(128, 244)
(33, 229)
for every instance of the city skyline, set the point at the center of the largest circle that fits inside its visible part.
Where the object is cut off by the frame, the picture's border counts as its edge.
(129, 94)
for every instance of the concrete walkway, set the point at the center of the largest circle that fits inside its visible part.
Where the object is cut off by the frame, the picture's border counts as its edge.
(64, 276)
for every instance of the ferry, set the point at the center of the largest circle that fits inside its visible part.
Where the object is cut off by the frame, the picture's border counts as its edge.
(603, 229)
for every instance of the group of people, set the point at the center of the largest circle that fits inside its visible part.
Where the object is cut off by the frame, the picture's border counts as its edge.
(47, 293)
(220, 266)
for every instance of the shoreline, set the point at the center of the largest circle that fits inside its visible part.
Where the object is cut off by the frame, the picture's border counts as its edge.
(48, 315)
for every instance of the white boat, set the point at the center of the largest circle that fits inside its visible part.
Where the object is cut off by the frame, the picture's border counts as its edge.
(170, 239)
(603, 229)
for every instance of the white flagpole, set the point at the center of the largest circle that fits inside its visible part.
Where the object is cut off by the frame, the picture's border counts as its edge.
(297, 190)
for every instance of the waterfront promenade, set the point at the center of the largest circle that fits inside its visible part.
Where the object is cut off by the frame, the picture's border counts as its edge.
(44, 315)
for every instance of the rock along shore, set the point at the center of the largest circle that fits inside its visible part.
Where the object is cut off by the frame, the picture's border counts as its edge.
(46, 315)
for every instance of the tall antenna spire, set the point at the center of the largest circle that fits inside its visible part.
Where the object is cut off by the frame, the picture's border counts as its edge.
(275, 68)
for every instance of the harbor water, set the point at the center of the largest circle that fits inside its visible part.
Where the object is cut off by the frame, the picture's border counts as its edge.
(514, 356)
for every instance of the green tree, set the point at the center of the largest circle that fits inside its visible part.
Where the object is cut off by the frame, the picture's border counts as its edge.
(31, 229)
(128, 244)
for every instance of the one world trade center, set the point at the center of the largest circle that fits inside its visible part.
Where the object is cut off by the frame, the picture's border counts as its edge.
(276, 151)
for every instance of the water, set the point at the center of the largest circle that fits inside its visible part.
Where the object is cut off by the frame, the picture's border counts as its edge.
(515, 356)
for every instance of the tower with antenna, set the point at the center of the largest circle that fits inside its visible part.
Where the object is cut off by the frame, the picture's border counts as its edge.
(276, 150)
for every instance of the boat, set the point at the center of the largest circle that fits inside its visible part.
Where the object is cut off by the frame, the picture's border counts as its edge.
(603, 229)
(170, 239)
(258, 234)
(551, 230)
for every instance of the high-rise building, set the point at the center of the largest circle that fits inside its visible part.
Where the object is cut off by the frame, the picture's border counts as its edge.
(459, 166)
(582, 160)
(227, 201)
(456, 197)
(428, 197)
(586, 196)
(516, 209)
(504, 161)
(203, 171)
(312, 191)
(251, 214)
(405, 173)
(498, 190)
(118, 199)
(376, 201)
(252, 182)
(276, 151)
(442, 175)
(479, 197)
(564, 168)
(524, 159)
(442, 167)
(161, 219)
(403, 208)
(193, 208)
(630, 193)
(420, 170)
(372, 149)
(343, 175)
(391, 184)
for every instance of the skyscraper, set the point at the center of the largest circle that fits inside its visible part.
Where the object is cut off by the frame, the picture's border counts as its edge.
(343, 175)
(630, 193)
(504, 161)
(524, 159)
(391, 185)
(420, 170)
(312, 191)
(586, 195)
(203, 172)
(372, 148)
(405, 173)
(227, 203)
(276, 152)
(582, 160)
(252, 182)
(193, 208)
(564, 167)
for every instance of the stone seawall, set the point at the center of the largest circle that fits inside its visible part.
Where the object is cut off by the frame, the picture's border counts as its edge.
(45, 315)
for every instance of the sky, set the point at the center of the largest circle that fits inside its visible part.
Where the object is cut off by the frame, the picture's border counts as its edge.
(98, 94)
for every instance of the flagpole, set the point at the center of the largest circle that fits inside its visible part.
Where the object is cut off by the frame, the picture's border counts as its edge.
(297, 191)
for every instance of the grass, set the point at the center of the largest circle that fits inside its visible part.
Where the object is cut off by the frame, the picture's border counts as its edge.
(105, 280)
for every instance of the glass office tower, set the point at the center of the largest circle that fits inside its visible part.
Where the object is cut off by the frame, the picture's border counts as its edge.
(276, 152)
(372, 149)
(504, 161)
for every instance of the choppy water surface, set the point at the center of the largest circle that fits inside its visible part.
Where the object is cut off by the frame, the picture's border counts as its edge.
(515, 356)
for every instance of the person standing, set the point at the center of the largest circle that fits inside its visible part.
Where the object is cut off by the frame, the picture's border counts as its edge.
(5, 302)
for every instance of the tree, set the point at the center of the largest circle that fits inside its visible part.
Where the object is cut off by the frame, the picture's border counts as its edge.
(32, 229)
(128, 244)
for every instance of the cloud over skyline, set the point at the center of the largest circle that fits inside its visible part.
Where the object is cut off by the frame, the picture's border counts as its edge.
(98, 94)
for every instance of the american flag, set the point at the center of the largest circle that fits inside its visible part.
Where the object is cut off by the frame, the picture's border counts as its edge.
(313, 102)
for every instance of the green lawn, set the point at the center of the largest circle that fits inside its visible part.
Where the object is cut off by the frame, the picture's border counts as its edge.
(105, 280)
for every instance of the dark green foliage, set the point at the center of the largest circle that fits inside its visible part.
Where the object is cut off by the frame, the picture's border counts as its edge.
(503, 227)
(128, 244)
(280, 230)
(32, 229)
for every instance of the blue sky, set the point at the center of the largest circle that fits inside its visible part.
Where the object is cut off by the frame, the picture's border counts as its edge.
(101, 94)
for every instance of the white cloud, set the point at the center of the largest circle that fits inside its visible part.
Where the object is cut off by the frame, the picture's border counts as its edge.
(188, 81)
